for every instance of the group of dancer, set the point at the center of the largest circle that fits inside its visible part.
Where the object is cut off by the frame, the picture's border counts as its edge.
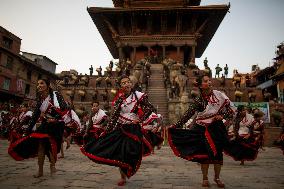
(133, 130)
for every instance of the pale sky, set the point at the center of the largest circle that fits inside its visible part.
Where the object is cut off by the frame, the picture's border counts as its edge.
(63, 31)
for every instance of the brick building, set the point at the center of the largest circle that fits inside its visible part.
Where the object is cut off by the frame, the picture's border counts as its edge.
(19, 73)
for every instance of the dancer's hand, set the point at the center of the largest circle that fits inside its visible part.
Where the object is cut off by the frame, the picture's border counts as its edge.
(102, 134)
(247, 136)
(85, 135)
(51, 120)
(218, 117)
(155, 130)
(136, 121)
(26, 130)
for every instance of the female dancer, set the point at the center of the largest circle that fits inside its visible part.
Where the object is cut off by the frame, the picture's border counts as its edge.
(96, 124)
(205, 140)
(44, 138)
(23, 119)
(150, 128)
(72, 126)
(78, 137)
(122, 144)
(258, 129)
(243, 147)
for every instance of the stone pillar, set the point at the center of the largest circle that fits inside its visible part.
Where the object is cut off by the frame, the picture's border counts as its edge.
(178, 53)
(149, 25)
(164, 52)
(120, 54)
(134, 55)
(192, 54)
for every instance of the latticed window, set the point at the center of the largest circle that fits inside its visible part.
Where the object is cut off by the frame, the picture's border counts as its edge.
(29, 74)
(6, 83)
(9, 63)
(27, 89)
(7, 43)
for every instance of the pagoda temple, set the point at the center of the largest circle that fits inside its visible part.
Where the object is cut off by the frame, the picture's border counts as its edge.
(176, 29)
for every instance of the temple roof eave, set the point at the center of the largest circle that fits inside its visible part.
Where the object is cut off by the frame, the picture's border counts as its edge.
(162, 40)
(106, 34)
(216, 15)
(192, 8)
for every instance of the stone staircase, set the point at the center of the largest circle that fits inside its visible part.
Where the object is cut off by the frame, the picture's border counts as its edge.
(156, 91)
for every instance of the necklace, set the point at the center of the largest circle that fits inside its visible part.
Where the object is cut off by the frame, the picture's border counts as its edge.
(127, 103)
(96, 116)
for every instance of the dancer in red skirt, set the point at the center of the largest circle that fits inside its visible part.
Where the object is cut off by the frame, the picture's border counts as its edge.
(206, 139)
(151, 127)
(96, 124)
(45, 137)
(123, 144)
(243, 146)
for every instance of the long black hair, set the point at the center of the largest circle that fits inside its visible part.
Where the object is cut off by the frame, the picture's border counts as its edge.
(200, 74)
(50, 90)
(123, 76)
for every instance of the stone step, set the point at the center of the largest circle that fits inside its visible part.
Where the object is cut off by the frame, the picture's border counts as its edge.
(160, 94)
(161, 89)
(160, 104)
(156, 85)
(157, 78)
(156, 91)
(150, 90)
(165, 105)
(159, 99)
(158, 81)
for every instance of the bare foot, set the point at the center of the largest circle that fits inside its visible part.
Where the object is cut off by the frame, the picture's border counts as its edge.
(121, 182)
(68, 146)
(38, 175)
(205, 183)
(52, 170)
(219, 183)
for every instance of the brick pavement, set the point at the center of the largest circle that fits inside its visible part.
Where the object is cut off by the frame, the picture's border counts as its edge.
(161, 170)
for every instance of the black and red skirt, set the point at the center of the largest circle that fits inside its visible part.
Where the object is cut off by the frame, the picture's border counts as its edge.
(27, 147)
(4, 132)
(123, 147)
(280, 143)
(241, 149)
(78, 138)
(155, 139)
(199, 144)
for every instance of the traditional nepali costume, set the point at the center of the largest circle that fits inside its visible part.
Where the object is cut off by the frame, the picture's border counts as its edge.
(16, 130)
(123, 144)
(150, 129)
(96, 125)
(280, 142)
(48, 133)
(241, 148)
(205, 140)
(72, 123)
(78, 137)
(5, 126)
(258, 132)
